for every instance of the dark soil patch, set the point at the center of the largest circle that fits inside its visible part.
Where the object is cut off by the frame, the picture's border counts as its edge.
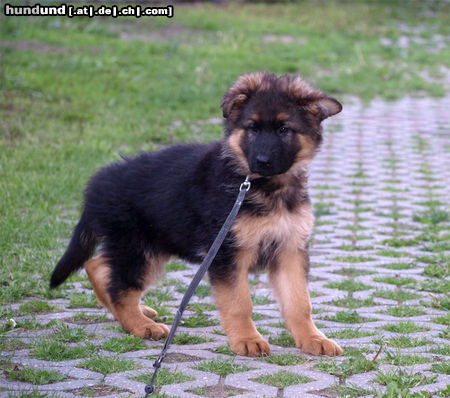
(269, 38)
(325, 393)
(170, 32)
(36, 46)
(217, 391)
(174, 357)
(91, 319)
(97, 391)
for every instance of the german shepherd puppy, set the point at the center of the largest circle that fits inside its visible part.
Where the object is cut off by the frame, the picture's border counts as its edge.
(173, 202)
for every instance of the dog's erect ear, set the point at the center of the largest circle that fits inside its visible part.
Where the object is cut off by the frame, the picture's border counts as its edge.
(314, 101)
(324, 107)
(241, 91)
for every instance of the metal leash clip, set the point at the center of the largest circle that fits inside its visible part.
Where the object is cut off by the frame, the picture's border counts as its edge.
(245, 185)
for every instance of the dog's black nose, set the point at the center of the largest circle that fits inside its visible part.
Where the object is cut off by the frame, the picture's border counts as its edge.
(263, 160)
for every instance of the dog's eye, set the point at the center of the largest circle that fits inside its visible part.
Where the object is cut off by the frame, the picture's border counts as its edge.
(253, 128)
(283, 130)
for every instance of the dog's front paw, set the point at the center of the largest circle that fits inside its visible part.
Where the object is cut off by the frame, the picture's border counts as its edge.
(251, 347)
(320, 345)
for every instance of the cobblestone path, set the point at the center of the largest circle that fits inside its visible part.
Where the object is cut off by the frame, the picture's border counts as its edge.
(379, 281)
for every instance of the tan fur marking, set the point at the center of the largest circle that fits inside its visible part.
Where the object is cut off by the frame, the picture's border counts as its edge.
(255, 117)
(98, 274)
(233, 145)
(305, 155)
(155, 267)
(235, 307)
(289, 282)
(281, 117)
(289, 229)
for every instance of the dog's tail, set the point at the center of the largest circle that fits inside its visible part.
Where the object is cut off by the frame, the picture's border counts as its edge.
(81, 247)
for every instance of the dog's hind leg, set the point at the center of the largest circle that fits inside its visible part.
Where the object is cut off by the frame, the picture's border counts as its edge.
(233, 300)
(289, 281)
(122, 298)
(98, 272)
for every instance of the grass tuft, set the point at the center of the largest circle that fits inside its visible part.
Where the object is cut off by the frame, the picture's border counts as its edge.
(282, 379)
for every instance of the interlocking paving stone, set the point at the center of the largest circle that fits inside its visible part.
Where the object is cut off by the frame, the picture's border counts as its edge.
(379, 167)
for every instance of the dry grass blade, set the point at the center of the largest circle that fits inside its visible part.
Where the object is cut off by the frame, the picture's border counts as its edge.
(374, 358)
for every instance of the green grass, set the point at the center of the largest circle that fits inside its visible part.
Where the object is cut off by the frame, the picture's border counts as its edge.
(354, 248)
(107, 365)
(442, 319)
(203, 291)
(159, 295)
(392, 253)
(222, 366)
(32, 375)
(442, 349)
(282, 379)
(399, 242)
(176, 266)
(404, 327)
(354, 259)
(287, 359)
(435, 286)
(83, 299)
(437, 270)
(124, 344)
(432, 217)
(164, 377)
(348, 317)
(53, 350)
(399, 265)
(187, 338)
(402, 378)
(351, 302)
(445, 392)
(224, 349)
(398, 359)
(355, 363)
(115, 328)
(12, 344)
(404, 311)
(350, 333)
(399, 295)
(213, 391)
(36, 307)
(395, 280)
(114, 102)
(198, 320)
(67, 334)
(201, 307)
(443, 367)
(352, 271)
(32, 394)
(403, 341)
(25, 324)
(82, 318)
(283, 339)
(261, 300)
(349, 391)
(349, 285)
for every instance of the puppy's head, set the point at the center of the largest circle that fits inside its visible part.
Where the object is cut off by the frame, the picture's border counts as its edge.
(272, 124)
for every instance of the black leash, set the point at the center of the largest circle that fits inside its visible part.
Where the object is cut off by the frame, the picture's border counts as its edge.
(245, 186)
